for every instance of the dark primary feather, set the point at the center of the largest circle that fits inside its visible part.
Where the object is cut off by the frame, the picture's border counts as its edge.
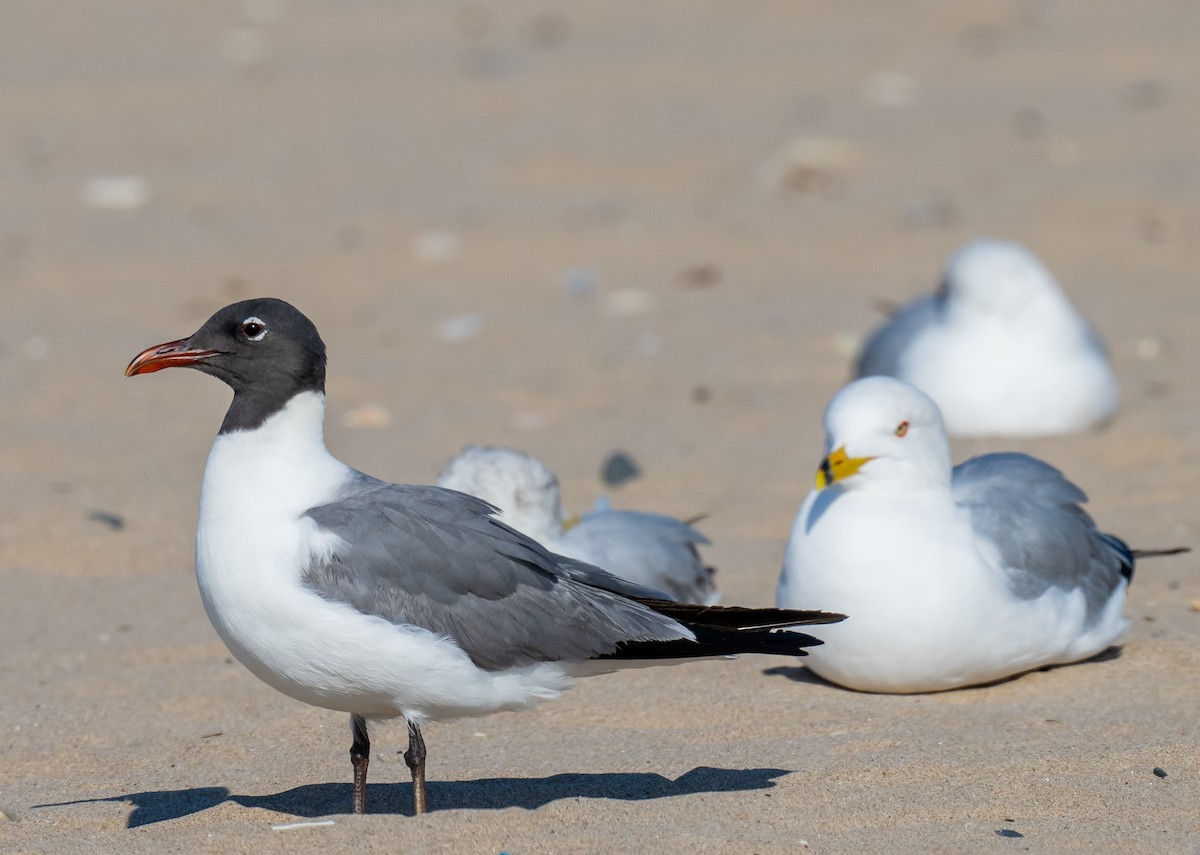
(1033, 516)
(438, 559)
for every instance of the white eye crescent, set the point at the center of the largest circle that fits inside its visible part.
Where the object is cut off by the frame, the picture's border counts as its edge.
(254, 329)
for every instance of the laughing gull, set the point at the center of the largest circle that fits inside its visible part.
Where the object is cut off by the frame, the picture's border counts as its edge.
(952, 576)
(999, 348)
(390, 600)
(647, 548)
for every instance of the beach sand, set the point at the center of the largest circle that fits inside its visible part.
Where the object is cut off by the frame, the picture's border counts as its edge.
(575, 229)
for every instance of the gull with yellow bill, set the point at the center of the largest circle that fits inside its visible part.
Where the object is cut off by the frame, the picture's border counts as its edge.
(951, 575)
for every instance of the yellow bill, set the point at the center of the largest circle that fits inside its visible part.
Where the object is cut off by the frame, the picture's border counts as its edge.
(837, 466)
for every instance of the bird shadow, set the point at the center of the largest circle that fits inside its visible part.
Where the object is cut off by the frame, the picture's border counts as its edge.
(801, 674)
(314, 800)
(797, 674)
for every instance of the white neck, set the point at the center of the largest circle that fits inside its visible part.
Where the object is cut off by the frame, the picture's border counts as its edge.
(280, 467)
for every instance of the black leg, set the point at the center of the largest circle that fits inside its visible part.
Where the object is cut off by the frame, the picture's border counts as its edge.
(360, 755)
(415, 758)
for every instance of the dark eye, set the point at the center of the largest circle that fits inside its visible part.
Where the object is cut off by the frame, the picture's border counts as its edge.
(254, 329)
(902, 429)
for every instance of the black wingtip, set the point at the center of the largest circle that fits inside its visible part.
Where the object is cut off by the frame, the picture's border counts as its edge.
(741, 618)
(719, 641)
(729, 631)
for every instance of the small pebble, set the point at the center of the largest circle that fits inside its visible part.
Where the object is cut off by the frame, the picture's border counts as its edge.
(619, 468)
(846, 343)
(1148, 348)
(893, 89)
(10, 815)
(1028, 123)
(1008, 832)
(1147, 94)
(1063, 150)
(1152, 229)
(549, 30)
(581, 281)
(434, 247)
(460, 328)
(367, 416)
(810, 164)
(116, 192)
(1160, 772)
(628, 301)
(36, 348)
(529, 419)
(650, 344)
(700, 276)
(113, 521)
(929, 212)
(1195, 605)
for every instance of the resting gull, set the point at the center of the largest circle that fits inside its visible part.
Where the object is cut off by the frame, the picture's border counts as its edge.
(999, 348)
(951, 576)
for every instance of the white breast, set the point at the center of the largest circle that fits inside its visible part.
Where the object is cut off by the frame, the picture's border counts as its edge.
(254, 542)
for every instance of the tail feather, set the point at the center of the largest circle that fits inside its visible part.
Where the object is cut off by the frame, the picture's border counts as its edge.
(728, 631)
(718, 641)
(1157, 553)
(1137, 554)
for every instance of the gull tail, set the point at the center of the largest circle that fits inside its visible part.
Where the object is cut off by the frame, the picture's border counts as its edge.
(1130, 556)
(728, 631)
(1158, 553)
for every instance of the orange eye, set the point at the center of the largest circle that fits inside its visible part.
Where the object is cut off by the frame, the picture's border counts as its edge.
(902, 429)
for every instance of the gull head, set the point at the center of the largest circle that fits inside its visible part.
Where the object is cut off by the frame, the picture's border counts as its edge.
(997, 280)
(519, 484)
(883, 435)
(263, 345)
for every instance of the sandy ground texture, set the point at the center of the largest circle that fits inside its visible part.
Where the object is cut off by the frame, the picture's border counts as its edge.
(575, 228)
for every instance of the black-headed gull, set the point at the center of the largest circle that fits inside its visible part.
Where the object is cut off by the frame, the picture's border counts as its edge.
(389, 600)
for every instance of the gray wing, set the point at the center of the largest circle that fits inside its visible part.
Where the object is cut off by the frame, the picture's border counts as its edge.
(882, 353)
(1033, 516)
(438, 559)
(646, 548)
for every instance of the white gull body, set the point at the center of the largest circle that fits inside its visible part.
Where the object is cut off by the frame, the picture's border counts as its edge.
(950, 577)
(252, 545)
(999, 348)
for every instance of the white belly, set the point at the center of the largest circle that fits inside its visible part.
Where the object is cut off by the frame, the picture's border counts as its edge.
(927, 610)
(253, 544)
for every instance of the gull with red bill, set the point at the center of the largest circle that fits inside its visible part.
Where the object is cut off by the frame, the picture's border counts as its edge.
(393, 601)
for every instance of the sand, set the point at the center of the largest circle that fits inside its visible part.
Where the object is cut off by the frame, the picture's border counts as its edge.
(575, 228)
